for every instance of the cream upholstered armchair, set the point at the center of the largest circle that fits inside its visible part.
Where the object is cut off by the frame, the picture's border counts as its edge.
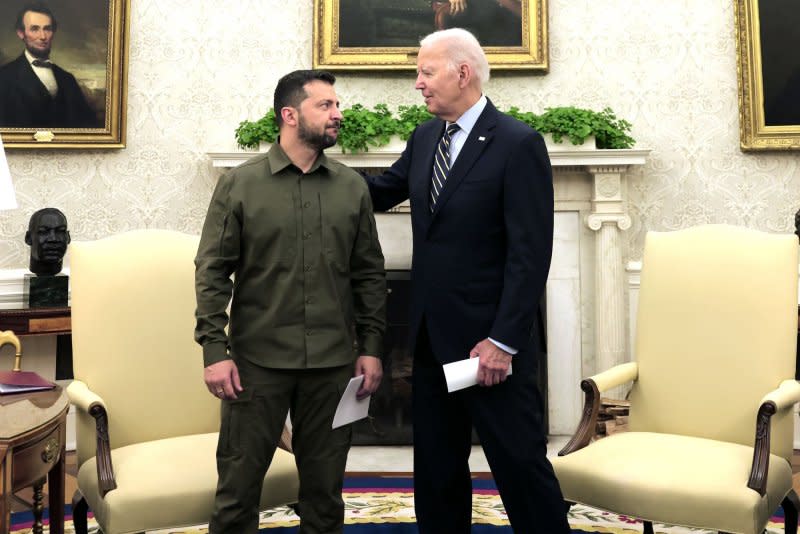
(146, 425)
(710, 426)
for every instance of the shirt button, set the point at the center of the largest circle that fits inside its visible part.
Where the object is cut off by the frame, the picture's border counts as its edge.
(307, 205)
(308, 332)
(306, 235)
(309, 300)
(308, 268)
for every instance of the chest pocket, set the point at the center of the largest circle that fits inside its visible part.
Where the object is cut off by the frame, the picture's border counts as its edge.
(272, 228)
(339, 231)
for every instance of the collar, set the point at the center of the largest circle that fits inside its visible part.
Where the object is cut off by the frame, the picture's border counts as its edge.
(31, 58)
(468, 119)
(278, 160)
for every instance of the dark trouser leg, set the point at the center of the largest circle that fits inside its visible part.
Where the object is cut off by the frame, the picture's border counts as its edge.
(442, 432)
(320, 452)
(508, 418)
(251, 427)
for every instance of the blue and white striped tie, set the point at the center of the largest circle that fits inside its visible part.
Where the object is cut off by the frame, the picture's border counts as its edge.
(441, 163)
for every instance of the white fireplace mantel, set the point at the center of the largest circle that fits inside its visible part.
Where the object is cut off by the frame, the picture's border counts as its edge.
(587, 327)
(379, 158)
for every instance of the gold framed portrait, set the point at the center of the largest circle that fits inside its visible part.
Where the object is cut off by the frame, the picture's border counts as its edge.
(769, 74)
(362, 35)
(63, 73)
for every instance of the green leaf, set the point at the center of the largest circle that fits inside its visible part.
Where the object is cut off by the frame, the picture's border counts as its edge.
(363, 128)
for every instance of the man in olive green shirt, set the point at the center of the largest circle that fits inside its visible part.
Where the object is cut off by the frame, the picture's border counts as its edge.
(307, 308)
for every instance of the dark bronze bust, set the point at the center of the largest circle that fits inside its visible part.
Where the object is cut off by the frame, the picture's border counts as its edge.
(48, 238)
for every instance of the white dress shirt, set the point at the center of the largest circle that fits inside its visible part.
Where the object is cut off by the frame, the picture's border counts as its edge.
(44, 74)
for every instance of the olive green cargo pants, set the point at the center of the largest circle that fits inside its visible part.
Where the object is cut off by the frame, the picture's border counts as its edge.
(250, 430)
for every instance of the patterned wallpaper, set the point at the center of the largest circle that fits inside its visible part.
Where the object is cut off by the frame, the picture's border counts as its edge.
(198, 68)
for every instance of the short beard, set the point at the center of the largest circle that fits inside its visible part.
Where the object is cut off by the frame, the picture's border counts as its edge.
(317, 141)
(39, 54)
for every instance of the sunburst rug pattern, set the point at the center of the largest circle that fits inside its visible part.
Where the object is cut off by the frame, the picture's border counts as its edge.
(385, 505)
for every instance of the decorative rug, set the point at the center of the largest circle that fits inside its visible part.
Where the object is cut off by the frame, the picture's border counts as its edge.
(385, 505)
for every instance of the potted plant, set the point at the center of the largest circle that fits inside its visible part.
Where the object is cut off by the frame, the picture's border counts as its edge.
(578, 125)
(363, 128)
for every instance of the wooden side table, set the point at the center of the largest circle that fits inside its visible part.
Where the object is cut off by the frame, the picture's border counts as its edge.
(37, 321)
(33, 429)
(43, 322)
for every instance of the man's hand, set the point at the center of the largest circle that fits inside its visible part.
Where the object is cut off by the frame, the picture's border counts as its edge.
(493, 365)
(222, 379)
(457, 6)
(372, 369)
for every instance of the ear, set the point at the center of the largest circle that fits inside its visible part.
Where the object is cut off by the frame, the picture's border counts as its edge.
(21, 34)
(28, 238)
(464, 75)
(69, 238)
(289, 115)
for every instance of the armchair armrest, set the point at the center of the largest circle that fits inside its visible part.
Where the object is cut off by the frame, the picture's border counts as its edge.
(82, 397)
(86, 400)
(786, 396)
(592, 387)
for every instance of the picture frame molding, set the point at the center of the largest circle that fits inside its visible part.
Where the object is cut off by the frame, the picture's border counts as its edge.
(533, 55)
(754, 134)
(113, 134)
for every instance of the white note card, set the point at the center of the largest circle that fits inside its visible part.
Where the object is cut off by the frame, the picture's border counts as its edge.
(462, 374)
(350, 408)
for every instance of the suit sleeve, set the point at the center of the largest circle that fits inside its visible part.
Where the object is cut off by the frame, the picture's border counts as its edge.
(528, 219)
(391, 188)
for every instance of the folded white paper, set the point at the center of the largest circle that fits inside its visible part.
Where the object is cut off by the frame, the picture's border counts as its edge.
(462, 374)
(350, 408)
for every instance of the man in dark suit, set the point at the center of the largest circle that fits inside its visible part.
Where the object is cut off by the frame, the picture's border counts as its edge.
(482, 218)
(34, 92)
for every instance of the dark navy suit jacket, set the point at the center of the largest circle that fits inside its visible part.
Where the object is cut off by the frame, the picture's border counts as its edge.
(25, 102)
(481, 259)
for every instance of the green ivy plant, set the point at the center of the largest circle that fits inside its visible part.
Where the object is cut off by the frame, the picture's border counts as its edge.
(577, 124)
(363, 128)
(250, 133)
(409, 117)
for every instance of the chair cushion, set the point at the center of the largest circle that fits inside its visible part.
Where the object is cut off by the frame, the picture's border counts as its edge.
(672, 479)
(171, 483)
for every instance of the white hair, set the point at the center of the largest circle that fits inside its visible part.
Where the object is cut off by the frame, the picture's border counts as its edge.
(462, 47)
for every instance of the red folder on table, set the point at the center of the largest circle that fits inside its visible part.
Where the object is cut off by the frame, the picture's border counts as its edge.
(22, 381)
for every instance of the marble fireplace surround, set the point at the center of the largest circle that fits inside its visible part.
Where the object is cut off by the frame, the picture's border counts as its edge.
(587, 315)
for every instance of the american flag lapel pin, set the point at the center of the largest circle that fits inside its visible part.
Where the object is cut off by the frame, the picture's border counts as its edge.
(481, 138)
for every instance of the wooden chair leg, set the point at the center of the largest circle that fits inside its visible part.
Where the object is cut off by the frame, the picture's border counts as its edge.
(80, 508)
(648, 527)
(790, 505)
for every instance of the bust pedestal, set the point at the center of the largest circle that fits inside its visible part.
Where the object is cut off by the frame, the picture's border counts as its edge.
(46, 291)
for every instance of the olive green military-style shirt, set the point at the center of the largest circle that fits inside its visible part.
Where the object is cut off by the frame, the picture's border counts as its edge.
(308, 287)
